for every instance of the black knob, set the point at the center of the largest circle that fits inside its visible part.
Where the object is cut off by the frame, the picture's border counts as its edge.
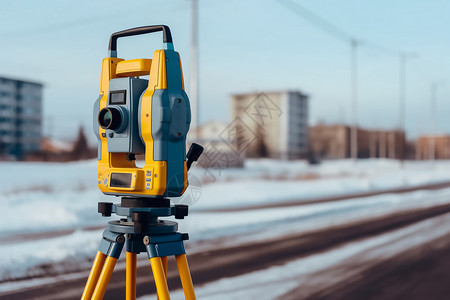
(105, 208)
(193, 154)
(181, 211)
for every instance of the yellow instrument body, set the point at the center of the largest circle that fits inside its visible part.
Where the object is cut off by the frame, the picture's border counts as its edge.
(150, 180)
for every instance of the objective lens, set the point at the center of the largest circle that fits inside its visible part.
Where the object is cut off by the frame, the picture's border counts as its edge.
(106, 118)
(109, 118)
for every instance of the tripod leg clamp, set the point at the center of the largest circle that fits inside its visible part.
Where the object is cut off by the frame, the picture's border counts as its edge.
(165, 245)
(112, 243)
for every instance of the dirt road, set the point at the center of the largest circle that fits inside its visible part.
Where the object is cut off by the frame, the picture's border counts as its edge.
(418, 273)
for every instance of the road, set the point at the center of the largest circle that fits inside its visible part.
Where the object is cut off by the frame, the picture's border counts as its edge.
(416, 273)
(211, 265)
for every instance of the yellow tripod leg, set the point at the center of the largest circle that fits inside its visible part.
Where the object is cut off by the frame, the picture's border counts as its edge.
(185, 276)
(131, 276)
(164, 263)
(160, 278)
(93, 276)
(104, 278)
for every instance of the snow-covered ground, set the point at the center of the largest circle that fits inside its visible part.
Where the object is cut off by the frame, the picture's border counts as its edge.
(53, 197)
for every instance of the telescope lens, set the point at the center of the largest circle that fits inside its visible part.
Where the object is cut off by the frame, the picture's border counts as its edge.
(109, 118)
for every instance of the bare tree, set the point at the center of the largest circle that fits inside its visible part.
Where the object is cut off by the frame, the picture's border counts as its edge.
(80, 148)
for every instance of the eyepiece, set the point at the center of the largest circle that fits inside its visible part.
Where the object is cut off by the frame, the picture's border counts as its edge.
(109, 118)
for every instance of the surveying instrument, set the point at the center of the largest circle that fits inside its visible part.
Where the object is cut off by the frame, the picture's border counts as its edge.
(150, 117)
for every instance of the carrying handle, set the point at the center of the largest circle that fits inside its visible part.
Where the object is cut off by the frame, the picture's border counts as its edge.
(167, 36)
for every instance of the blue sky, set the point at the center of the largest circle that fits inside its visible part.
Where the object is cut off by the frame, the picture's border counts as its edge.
(245, 46)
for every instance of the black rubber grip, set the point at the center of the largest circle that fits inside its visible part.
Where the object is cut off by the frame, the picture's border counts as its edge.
(167, 36)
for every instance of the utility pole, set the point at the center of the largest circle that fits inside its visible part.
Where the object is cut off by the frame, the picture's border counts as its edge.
(402, 99)
(402, 103)
(433, 122)
(354, 99)
(193, 91)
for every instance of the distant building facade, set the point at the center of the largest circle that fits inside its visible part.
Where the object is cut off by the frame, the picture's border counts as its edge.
(218, 153)
(433, 147)
(210, 131)
(272, 124)
(333, 142)
(20, 118)
(329, 141)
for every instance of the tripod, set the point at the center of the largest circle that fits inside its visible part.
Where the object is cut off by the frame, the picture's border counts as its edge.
(140, 231)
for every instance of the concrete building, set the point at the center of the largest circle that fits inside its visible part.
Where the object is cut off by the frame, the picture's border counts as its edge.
(384, 143)
(211, 130)
(333, 142)
(217, 152)
(20, 118)
(272, 124)
(433, 147)
(329, 141)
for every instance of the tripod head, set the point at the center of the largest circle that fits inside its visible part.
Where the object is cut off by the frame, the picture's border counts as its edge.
(141, 214)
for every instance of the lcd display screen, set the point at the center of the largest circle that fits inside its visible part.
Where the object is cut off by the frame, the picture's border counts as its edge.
(117, 97)
(121, 180)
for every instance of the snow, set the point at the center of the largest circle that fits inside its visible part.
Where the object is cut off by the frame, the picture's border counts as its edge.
(266, 180)
(48, 256)
(23, 177)
(48, 198)
(18, 262)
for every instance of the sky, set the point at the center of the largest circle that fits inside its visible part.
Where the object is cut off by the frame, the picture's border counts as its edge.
(244, 46)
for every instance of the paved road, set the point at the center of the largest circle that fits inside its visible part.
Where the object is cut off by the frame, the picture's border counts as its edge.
(212, 265)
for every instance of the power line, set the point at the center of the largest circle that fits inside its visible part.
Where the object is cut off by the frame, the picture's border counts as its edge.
(59, 26)
(332, 29)
(335, 31)
(316, 20)
(382, 49)
(354, 42)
